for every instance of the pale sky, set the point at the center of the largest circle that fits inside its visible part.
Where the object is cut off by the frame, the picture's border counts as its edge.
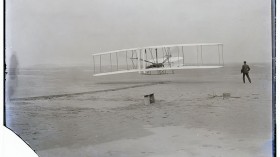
(67, 32)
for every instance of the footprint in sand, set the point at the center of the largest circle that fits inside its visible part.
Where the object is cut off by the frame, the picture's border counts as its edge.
(147, 152)
(36, 132)
(206, 145)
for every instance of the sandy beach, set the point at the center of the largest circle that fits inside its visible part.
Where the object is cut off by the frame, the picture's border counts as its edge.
(67, 112)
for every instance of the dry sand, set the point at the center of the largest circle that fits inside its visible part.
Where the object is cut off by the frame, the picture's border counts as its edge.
(69, 113)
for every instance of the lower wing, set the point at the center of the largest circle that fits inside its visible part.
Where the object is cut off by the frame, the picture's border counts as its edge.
(157, 69)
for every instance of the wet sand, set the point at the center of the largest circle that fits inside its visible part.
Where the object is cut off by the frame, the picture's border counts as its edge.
(70, 113)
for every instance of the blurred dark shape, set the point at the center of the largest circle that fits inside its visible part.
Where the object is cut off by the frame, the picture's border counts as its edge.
(12, 77)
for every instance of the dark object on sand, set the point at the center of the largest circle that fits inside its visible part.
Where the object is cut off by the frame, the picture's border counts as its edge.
(148, 99)
(226, 95)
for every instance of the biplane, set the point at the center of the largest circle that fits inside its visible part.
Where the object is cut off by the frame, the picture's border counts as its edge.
(159, 59)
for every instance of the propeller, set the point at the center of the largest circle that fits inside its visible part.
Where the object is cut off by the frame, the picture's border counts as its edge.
(167, 58)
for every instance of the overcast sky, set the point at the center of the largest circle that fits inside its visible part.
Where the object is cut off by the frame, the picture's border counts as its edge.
(67, 32)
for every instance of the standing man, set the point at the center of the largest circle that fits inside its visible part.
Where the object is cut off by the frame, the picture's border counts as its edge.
(245, 70)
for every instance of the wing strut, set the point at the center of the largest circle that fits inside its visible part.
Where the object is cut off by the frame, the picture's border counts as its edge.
(223, 54)
(143, 60)
(178, 56)
(138, 56)
(126, 60)
(156, 57)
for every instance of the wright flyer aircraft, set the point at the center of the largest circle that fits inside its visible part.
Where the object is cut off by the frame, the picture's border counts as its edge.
(162, 59)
